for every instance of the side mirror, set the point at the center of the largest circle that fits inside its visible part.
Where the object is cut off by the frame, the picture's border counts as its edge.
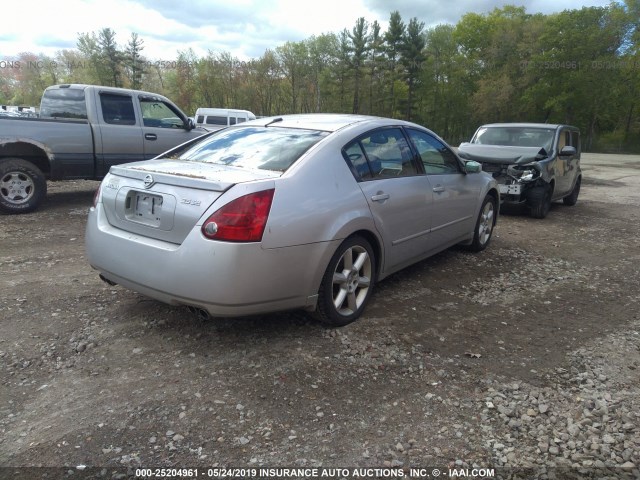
(189, 124)
(568, 151)
(472, 167)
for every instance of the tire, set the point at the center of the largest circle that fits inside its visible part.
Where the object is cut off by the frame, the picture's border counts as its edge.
(347, 283)
(539, 201)
(484, 225)
(571, 199)
(22, 186)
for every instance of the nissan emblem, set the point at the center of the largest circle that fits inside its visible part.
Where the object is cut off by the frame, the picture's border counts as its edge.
(148, 181)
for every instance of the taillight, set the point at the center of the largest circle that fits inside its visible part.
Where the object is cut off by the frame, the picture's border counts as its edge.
(241, 220)
(96, 196)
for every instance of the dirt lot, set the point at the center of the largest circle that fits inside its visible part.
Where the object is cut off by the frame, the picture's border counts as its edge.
(526, 356)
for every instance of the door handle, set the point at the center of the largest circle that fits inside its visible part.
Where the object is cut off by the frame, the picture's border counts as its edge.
(380, 197)
(438, 189)
(150, 136)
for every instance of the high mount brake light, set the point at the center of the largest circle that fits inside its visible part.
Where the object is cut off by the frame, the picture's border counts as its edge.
(241, 220)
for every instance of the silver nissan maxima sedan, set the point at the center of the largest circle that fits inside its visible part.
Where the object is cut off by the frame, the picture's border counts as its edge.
(291, 212)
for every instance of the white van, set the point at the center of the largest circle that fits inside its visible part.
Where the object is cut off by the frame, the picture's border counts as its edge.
(221, 117)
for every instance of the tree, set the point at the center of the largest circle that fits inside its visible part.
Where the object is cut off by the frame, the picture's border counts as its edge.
(577, 66)
(134, 62)
(412, 58)
(111, 57)
(293, 58)
(393, 39)
(376, 68)
(184, 83)
(446, 85)
(342, 69)
(265, 78)
(87, 44)
(358, 39)
(322, 53)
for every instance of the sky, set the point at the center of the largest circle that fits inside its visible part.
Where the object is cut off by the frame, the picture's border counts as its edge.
(244, 28)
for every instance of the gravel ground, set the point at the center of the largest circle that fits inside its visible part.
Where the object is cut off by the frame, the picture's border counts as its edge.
(524, 359)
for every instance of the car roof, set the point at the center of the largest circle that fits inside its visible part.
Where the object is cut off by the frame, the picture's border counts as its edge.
(329, 122)
(101, 88)
(528, 125)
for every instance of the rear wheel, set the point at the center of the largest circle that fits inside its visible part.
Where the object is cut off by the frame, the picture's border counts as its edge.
(22, 186)
(572, 198)
(484, 225)
(539, 201)
(347, 283)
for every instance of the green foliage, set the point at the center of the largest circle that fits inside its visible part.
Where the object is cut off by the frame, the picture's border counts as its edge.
(134, 62)
(578, 66)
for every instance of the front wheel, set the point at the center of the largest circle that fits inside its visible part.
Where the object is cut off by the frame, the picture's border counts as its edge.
(347, 283)
(484, 225)
(22, 186)
(539, 201)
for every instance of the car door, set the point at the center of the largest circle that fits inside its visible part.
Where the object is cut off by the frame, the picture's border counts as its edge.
(120, 134)
(399, 197)
(455, 194)
(566, 166)
(162, 126)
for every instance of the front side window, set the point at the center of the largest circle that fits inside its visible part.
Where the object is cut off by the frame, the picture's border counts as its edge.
(263, 148)
(382, 153)
(436, 157)
(117, 109)
(564, 139)
(156, 113)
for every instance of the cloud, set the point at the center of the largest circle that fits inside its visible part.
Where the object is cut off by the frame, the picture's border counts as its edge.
(433, 12)
(244, 28)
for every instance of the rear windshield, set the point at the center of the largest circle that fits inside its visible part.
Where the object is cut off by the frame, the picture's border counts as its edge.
(63, 103)
(516, 137)
(263, 148)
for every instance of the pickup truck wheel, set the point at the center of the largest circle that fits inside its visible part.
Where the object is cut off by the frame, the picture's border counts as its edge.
(539, 201)
(572, 198)
(22, 186)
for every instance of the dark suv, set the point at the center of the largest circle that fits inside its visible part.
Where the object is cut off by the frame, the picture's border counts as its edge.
(534, 163)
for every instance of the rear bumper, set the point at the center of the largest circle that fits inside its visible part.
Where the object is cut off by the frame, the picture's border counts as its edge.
(226, 279)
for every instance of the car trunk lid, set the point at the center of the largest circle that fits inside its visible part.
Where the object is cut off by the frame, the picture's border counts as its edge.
(166, 199)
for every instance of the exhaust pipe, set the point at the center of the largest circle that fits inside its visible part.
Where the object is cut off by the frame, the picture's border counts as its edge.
(107, 281)
(201, 313)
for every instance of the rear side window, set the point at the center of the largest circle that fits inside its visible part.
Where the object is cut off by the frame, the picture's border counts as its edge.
(63, 103)
(379, 154)
(214, 120)
(575, 139)
(263, 148)
(117, 109)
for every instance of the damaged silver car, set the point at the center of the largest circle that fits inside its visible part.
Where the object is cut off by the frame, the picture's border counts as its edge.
(534, 163)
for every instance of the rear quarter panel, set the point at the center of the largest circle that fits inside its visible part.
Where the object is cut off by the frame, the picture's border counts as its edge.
(317, 201)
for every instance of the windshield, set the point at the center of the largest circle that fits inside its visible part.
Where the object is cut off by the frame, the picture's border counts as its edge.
(515, 137)
(263, 148)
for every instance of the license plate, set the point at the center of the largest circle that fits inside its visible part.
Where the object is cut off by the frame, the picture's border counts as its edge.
(510, 189)
(144, 207)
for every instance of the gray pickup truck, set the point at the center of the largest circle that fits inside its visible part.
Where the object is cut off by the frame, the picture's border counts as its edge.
(534, 163)
(82, 130)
